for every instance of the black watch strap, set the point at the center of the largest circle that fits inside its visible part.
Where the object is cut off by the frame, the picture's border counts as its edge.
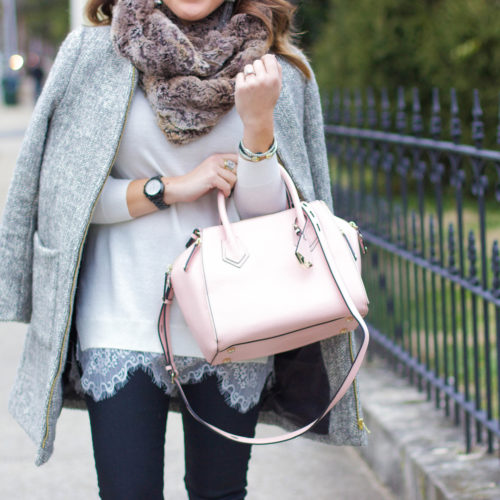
(159, 203)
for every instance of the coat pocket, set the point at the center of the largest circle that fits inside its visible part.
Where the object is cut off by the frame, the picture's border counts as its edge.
(44, 290)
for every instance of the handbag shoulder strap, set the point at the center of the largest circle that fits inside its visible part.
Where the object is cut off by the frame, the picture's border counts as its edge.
(164, 332)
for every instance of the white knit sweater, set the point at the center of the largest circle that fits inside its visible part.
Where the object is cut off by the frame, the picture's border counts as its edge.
(121, 278)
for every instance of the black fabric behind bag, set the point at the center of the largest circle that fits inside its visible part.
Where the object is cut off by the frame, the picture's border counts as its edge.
(301, 391)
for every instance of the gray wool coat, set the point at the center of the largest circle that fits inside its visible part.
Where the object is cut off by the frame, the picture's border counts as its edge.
(66, 156)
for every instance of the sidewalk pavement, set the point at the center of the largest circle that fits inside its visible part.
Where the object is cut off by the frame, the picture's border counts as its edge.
(299, 468)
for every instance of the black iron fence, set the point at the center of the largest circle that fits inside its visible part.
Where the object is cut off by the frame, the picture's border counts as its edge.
(429, 210)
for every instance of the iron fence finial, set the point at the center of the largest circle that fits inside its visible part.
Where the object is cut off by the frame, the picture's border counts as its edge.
(401, 113)
(455, 125)
(435, 125)
(371, 108)
(477, 122)
(385, 116)
(417, 124)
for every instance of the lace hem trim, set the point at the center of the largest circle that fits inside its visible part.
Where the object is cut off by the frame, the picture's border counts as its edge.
(106, 371)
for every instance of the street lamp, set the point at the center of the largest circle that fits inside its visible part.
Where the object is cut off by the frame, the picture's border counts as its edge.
(11, 62)
(9, 30)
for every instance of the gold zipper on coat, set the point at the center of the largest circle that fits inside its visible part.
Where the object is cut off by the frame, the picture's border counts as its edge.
(360, 421)
(80, 251)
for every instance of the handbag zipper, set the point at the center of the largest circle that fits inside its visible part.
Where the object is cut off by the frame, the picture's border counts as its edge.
(77, 267)
(360, 237)
(196, 245)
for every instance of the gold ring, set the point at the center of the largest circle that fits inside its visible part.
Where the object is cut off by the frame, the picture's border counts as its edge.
(229, 165)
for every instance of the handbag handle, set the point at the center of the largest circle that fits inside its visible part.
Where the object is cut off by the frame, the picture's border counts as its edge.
(292, 190)
(164, 331)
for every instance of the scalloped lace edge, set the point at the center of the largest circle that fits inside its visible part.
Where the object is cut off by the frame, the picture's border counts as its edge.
(151, 363)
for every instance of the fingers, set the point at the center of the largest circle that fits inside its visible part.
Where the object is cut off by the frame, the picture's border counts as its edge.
(249, 71)
(271, 65)
(266, 70)
(259, 68)
(240, 80)
(224, 186)
(225, 181)
(226, 177)
(266, 65)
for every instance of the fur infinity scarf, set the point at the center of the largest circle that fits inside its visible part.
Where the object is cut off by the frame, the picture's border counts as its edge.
(187, 70)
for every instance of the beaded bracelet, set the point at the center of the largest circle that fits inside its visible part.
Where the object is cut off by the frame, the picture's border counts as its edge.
(246, 154)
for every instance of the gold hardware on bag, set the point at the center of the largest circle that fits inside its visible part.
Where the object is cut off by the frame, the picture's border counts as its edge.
(197, 243)
(344, 330)
(297, 230)
(167, 287)
(226, 360)
(350, 318)
(302, 260)
(231, 350)
(360, 237)
(172, 373)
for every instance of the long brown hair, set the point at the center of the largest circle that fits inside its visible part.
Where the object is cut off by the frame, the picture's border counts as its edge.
(279, 23)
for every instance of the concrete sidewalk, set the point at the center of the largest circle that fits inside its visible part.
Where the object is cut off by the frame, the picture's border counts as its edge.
(296, 469)
(300, 468)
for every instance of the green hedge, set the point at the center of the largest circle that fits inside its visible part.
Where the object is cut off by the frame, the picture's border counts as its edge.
(423, 43)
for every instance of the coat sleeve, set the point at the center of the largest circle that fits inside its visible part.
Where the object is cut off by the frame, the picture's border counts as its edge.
(19, 218)
(314, 136)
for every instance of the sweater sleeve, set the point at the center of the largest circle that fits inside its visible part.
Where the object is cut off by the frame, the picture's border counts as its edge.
(19, 218)
(111, 207)
(259, 189)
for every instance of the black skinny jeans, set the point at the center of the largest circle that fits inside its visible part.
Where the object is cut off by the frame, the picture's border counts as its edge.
(128, 435)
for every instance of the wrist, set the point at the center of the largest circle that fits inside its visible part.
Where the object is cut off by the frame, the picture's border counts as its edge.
(258, 139)
(169, 194)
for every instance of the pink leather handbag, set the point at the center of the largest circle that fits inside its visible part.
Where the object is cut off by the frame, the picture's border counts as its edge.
(266, 285)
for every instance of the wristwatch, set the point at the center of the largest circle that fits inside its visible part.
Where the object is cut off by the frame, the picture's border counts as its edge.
(153, 190)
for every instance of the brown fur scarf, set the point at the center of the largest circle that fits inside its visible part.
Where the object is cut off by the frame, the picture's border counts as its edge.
(187, 70)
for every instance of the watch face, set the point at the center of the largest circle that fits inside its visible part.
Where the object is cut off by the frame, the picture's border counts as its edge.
(153, 187)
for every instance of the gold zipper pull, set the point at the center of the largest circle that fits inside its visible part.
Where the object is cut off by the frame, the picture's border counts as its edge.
(197, 243)
(362, 425)
(302, 260)
(195, 236)
(360, 237)
(360, 422)
(167, 287)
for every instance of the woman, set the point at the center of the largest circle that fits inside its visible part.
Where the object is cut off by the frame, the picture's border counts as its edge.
(143, 118)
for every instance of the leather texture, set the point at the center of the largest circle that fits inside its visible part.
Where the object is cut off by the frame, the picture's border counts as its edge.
(245, 295)
(267, 285)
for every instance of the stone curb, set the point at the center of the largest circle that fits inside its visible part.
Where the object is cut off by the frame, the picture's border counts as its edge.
(414, 449)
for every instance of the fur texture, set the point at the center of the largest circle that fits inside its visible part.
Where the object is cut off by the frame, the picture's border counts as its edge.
(187, 70)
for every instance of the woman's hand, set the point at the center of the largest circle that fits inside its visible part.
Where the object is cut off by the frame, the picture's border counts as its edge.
(257, 90)
(209, 174)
